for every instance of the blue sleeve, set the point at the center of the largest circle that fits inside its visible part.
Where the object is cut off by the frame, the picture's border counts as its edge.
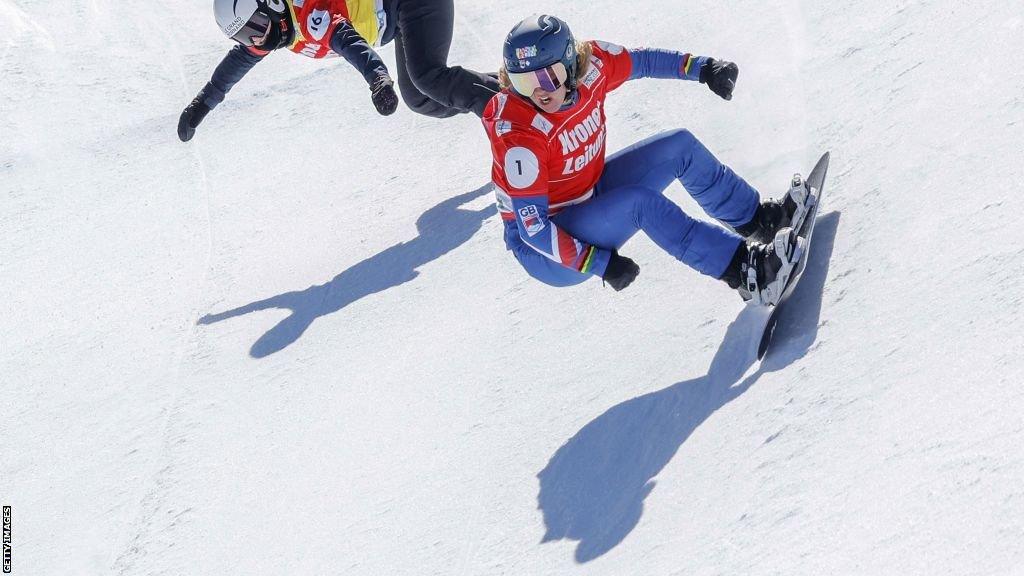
(231, 69)
(541, 234)
(658, 63)
(347, 43)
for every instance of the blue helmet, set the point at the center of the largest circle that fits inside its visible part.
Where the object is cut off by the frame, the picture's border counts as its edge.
(540, 41)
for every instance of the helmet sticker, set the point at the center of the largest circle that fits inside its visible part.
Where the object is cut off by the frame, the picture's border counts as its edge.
(526, 52)
(277, 6)
(521, 167)
(235, 26)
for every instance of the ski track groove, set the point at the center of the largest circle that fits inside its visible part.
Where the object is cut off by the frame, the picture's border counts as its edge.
(154, 495)
(7, 50)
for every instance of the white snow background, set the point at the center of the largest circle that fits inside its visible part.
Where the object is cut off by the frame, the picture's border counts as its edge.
(297, 345)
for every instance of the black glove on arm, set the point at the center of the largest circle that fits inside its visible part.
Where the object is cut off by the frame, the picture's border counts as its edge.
(191, 117)
(382, 92)
(199, 108)
(720, 76)
(621, 271)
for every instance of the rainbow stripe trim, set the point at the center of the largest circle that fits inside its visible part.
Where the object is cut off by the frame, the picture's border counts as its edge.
(587, 259)
(687, 62)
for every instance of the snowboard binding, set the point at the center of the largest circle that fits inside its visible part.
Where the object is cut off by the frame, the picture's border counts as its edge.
(773, 215)
(768, 267)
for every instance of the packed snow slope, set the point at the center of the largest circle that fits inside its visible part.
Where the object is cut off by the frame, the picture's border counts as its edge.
(297, 345)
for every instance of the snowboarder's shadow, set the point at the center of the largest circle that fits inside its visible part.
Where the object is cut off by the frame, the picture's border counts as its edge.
(441, 229)
(593, 488)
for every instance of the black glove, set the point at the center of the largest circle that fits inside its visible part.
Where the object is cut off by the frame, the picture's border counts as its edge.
(621, 271)
(190, 119)
(720, 76)
(383, 95)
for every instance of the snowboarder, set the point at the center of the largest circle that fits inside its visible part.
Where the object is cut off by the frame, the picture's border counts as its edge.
(421, 29)
(567, 211)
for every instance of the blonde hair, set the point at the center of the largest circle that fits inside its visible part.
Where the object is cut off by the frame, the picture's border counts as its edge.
(583, 52)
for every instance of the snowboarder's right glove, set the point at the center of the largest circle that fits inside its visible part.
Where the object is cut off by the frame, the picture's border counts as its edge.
(621, 271)
(383, 94)
(720, 76)
(191, 117)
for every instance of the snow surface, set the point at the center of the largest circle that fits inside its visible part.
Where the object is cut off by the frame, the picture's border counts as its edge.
(297, 345)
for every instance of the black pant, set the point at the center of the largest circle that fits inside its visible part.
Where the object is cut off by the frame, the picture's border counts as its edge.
(428, 85)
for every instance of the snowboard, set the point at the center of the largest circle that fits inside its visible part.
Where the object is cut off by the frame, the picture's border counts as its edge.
(815, 182)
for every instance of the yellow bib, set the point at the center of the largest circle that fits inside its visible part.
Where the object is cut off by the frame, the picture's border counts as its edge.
(368, 18)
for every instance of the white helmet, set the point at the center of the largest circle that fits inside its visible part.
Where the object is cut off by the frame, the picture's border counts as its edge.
(246, 21)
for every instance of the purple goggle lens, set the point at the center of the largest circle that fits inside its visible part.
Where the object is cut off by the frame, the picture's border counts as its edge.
(547, 79)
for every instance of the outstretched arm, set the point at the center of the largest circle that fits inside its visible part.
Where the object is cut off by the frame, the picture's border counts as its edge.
(357, 51)
(229, 72)
(719, 75)
(658, 63)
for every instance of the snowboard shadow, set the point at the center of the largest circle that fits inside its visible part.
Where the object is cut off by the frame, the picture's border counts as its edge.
(441, 229)
(797, 328)
(593, 488)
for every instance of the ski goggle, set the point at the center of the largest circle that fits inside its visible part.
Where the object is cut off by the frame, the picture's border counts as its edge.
(547, 79)
(257, 29)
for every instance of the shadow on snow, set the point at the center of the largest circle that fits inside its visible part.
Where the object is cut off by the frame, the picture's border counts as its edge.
(441, 229)
(593, 488)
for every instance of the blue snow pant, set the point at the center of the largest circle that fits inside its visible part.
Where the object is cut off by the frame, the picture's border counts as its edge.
(628, 197)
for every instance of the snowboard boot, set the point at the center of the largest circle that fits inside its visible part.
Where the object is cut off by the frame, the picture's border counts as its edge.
(760, 272)
(774, 215)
